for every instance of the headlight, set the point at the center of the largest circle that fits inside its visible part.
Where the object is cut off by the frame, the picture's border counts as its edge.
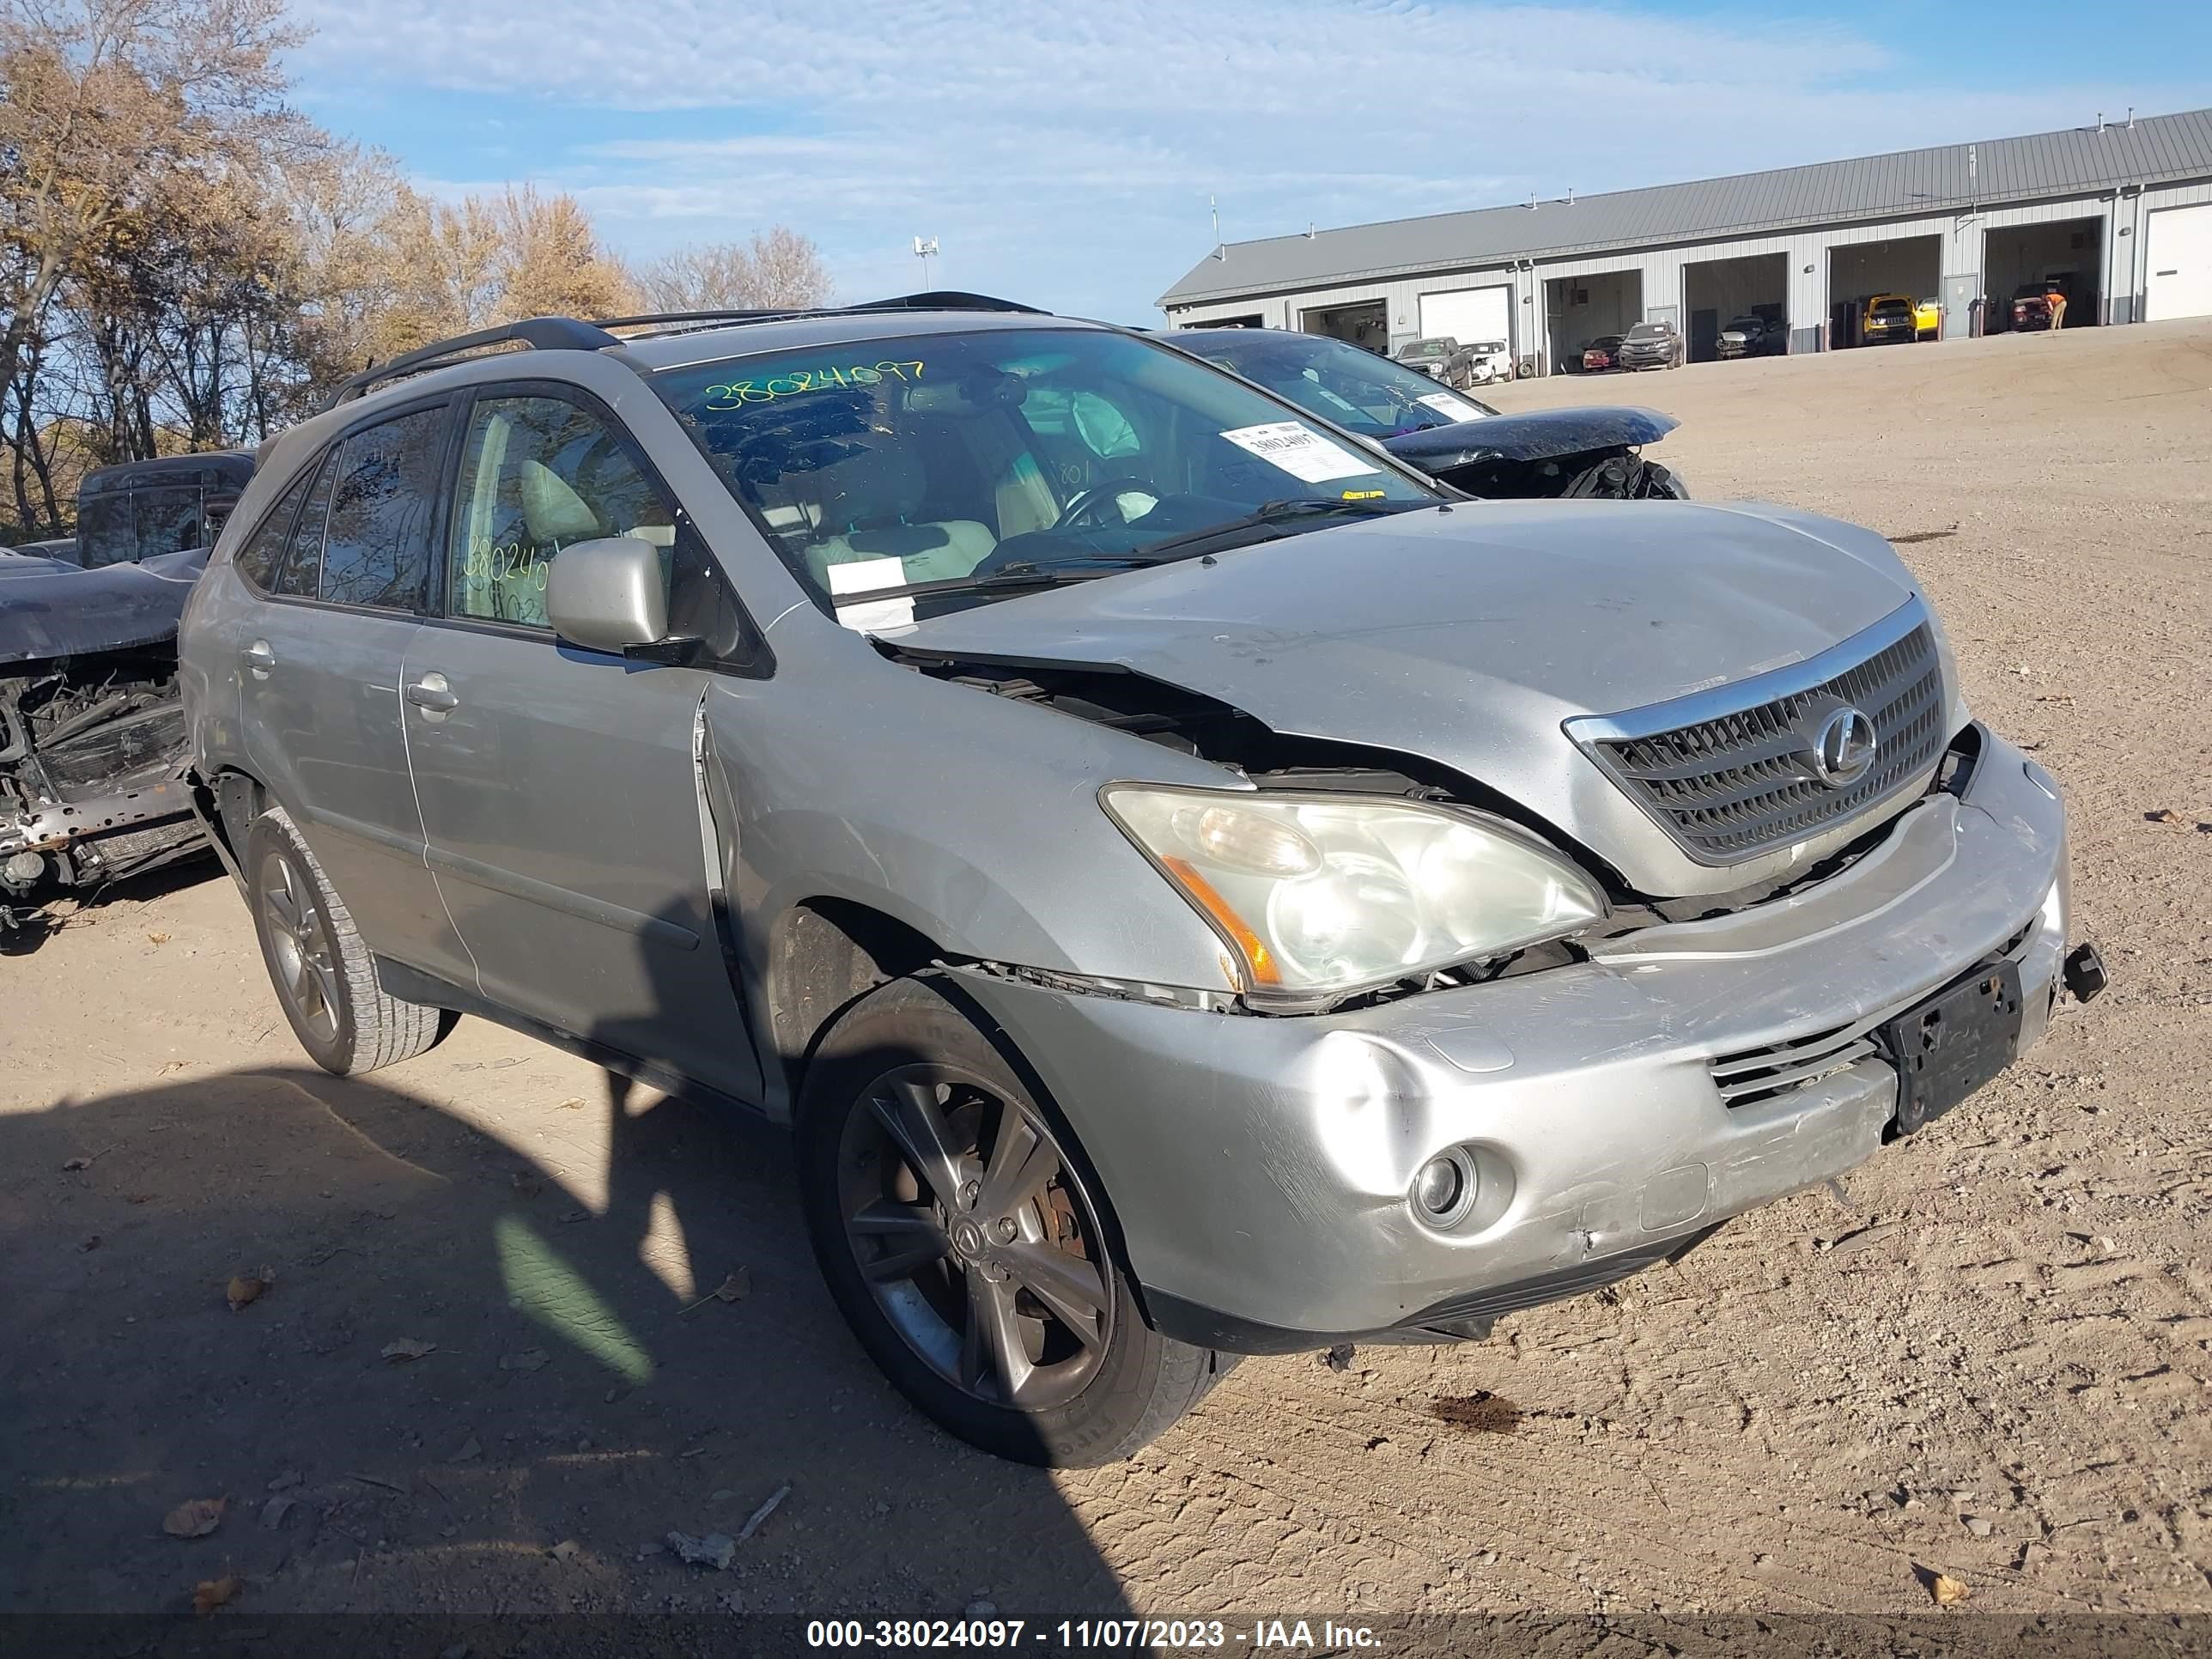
(1324, 895)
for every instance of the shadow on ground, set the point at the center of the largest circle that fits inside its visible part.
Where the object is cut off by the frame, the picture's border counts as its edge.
(577, 1401)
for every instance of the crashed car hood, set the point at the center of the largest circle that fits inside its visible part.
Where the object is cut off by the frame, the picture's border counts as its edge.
(1536, 435)
(50, 609)
(1468, 636)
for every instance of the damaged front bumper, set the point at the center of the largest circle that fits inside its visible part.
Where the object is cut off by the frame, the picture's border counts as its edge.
(1260, 1168)
(92, 758)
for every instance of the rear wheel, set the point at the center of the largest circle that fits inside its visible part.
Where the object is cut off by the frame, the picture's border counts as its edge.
(323, 973)
(960, 1235)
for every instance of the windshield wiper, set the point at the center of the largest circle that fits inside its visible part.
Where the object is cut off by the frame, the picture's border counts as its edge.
(1267, 516)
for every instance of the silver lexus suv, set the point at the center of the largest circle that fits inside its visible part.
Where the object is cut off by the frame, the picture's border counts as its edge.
(1194, 886)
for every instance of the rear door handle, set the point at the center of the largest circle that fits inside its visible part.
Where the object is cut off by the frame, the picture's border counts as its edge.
(433, 696)
(259, 659)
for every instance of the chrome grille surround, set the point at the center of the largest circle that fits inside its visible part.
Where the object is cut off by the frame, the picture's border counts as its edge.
(1727, 773)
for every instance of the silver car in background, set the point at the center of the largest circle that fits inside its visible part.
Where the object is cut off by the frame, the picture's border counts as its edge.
(1195, 886)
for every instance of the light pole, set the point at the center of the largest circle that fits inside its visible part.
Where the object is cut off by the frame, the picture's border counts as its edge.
(925, 249)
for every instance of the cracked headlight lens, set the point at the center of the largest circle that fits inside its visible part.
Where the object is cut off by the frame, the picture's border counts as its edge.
(1322, 894)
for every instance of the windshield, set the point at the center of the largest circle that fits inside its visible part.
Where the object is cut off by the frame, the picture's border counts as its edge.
(1647, 332)
(1892, 308)
(1006, 454)
(1355, 389)
(1422, 351)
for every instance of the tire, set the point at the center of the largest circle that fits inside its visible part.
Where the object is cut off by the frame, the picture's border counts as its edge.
(905, 1081)
(321, 969)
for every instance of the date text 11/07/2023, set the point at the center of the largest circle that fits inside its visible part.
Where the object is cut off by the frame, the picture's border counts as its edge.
(1128, 1635)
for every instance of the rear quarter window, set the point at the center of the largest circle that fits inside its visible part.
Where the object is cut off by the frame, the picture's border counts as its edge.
(257, 560)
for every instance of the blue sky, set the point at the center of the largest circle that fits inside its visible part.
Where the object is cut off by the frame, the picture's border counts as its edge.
(1064, 156)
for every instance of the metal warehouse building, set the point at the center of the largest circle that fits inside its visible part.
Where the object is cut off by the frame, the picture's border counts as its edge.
(2118, 214)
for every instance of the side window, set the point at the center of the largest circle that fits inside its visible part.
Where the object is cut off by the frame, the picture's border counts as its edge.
(377, 550)
(539, 474)
(103, 528)
(257, 560)
(301, 567)
(166, 520)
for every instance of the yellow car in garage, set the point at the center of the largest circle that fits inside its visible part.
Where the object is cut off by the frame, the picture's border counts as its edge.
(1887, 318)
(1927, 319)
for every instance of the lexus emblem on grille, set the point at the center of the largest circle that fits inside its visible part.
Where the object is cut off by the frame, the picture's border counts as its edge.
(1843, 748)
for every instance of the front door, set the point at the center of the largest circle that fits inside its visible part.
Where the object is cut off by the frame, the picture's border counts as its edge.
(319, 672)
(564, 811)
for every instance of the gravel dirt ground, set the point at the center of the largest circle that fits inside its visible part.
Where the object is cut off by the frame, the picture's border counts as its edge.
(1988, 1357)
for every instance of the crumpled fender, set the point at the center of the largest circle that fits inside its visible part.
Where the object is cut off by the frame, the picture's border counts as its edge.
(1536, 435)
(49, 609)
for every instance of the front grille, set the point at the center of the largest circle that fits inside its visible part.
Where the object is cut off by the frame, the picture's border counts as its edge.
(1755, 1075)
(1732, 786)
(1761, 1074)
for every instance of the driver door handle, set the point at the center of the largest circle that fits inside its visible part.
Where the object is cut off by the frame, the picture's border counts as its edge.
(259, 659)
(432, 695)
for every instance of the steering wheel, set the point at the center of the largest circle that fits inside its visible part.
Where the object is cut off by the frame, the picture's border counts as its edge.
(1082, 508)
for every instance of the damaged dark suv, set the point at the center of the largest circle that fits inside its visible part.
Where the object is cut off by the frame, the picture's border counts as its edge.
(92, 732)
(1194, 886)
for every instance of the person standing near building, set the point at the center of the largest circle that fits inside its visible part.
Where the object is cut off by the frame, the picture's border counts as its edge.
(2055, 297)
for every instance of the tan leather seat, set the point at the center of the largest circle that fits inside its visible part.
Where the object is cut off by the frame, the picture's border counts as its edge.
(868, 502)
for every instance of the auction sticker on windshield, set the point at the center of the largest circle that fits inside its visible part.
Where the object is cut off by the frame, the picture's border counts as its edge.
(861, 577)
(1299, 451)
(1451, 408)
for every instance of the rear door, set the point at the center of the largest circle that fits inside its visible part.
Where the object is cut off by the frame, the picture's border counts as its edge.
(320, 674)
(563, 792)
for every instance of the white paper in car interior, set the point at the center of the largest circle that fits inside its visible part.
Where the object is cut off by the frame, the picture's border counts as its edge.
(1451, 408)
(862, 577)
(1299, 451)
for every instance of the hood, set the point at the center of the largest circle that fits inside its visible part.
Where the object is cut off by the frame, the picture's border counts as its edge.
(1468, 636)
(1536, 435)
(50, 609)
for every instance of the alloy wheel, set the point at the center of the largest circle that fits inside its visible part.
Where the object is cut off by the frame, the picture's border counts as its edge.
(300, 940)
(976, 1238)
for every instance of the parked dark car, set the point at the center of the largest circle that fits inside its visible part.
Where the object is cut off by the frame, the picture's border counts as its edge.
(1750, 335)
(2032, 309)
(1440, 357)
(1651, 345)
(1601, 354)
(136, 509)
(1448, 435)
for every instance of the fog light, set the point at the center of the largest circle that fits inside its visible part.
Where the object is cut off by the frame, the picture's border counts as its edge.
(1445, 1190)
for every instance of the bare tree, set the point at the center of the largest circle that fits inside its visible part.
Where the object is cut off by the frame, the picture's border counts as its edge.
(104, 103)
(778, 267)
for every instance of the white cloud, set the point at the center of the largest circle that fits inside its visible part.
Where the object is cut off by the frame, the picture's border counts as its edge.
(1067, 153)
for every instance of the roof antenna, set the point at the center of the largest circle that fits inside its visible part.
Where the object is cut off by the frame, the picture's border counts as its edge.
(1309, 230)
(1220, 248)
(2131, 118)
(1532, 201)
(2100, 120)
(1571, 195)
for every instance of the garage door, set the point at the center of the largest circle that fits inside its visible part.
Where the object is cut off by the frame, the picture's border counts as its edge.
(1469, 314)
(2178, 256)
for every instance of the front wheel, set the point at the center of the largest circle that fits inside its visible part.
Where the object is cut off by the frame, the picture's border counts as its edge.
(960, 1236)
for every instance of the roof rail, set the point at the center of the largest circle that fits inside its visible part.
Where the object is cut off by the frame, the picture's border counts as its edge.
(658, 318)
(539, 333)
(947, 299)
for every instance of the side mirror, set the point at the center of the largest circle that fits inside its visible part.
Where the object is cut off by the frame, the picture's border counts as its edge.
(608, 595)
